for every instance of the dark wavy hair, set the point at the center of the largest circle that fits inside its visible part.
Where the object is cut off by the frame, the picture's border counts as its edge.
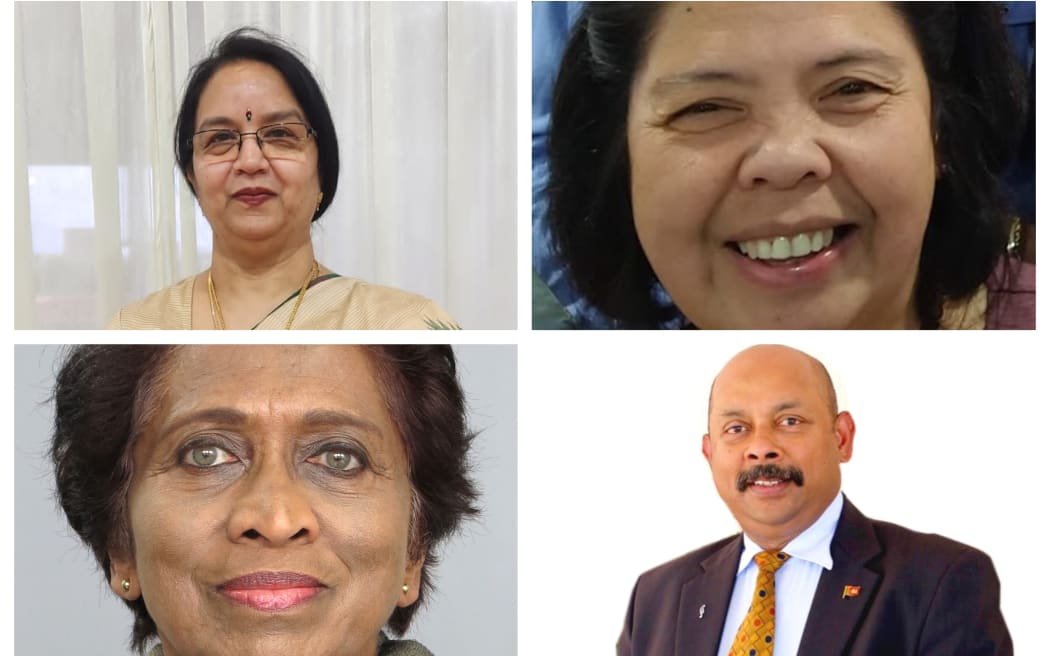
(978, 94)
(103, 395)
(249, 43)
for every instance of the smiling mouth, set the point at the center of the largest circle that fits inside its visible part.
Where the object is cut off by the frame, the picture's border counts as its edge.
(271, 591)
(790, 249)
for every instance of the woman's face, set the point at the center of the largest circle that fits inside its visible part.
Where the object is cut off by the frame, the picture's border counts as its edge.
(270, 504)
(756, 132)
(254, 200)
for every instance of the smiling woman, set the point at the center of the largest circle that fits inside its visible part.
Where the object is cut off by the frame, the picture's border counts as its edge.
(255, 141)
(263, 500)
(789, 165)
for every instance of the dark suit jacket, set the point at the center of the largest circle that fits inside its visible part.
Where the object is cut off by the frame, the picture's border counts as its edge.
(920, 594)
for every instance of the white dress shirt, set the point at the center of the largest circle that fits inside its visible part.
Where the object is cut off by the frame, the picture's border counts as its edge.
(796, 583)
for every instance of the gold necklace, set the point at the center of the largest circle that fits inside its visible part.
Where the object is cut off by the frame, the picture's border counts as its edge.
(217, 320)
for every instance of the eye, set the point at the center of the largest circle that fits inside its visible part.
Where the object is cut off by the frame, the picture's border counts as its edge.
(704, 107)
(705, 115)
(278, 132)
(856, 87)
(735, 429)
(790, 421)
(339, 458)
(206, 456)
(222, 137)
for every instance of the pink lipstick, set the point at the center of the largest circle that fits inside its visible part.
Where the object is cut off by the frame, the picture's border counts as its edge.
(271, 591)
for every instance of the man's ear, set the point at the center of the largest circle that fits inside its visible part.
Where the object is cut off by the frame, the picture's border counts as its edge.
(706, 447)
(844, 431)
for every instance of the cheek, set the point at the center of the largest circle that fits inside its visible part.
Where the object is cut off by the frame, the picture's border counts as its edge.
(895, 172)
(676, 189)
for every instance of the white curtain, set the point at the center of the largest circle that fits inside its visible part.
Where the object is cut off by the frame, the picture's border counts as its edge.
(423, 97)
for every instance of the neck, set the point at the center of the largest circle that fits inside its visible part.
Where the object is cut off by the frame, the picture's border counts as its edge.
(235, 278)
(247, 294)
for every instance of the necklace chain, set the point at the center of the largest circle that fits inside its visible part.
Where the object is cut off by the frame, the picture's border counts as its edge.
(217, 320)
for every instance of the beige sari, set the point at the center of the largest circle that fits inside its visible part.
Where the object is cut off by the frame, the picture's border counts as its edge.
(331, 302)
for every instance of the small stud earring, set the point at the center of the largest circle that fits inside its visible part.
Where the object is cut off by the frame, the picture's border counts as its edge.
(125, 585)
(320, 196)
(404, 588)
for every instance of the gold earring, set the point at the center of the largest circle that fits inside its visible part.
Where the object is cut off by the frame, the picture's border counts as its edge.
(125, 585)
(404, 588)
(320, 196)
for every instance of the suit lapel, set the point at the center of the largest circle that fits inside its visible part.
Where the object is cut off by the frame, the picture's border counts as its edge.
(834, 615)
(711, 589)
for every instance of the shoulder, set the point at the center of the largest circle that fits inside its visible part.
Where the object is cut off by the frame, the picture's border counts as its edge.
(1011, 296)
(167, 309)
(350, 303)
(921, 549)
(675, 573)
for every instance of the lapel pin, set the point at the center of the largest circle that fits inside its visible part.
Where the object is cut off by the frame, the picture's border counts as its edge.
(703, 607)
(850, 591)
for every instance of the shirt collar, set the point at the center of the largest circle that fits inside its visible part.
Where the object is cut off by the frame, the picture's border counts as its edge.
(812, 545)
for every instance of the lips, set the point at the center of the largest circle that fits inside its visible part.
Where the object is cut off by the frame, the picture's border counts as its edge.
(272, 591)
(254, 195)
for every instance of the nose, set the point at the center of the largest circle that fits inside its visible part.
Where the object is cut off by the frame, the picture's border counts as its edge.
(250, 157)
(788, 152)
(763, 447)
(272, 508)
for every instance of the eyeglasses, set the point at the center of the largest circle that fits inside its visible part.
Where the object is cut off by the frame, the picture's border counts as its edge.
(277, 141)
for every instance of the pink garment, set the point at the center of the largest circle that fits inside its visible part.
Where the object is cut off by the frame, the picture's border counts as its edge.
(1011, 296)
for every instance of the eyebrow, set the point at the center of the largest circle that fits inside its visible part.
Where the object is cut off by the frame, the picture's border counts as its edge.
(265, 119)
(701, 75)
(318, 418)
(780, 407)
(311, 419)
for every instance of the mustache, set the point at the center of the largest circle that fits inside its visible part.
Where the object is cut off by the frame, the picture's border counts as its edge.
(776, 472)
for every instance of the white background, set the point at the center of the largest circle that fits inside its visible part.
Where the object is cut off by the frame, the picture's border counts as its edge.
(951, 431)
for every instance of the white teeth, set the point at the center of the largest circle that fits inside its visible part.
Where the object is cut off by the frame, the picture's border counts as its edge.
(767, 483)
(782, 248)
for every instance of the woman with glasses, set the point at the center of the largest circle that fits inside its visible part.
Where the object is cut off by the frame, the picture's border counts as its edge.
(255, 141)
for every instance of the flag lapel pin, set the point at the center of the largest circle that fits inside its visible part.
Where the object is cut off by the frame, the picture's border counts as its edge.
(850, 591)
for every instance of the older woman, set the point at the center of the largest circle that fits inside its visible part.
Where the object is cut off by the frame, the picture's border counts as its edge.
(788, 165)
(264, 500)
(256, 143)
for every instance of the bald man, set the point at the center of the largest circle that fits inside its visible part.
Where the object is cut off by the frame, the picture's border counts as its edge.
(809, 574)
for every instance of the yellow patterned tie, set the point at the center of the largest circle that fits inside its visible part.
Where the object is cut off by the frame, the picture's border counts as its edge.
(755, 636)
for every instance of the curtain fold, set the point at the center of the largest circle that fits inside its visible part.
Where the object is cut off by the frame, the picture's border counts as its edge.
(423, 98)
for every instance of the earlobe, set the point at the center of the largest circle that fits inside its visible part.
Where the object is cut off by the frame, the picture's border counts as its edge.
(124, 584)
(123, 578)
(409, 592)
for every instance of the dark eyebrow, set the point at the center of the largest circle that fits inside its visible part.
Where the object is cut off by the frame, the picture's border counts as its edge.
(860, 56)
(701, 75)
(266, 119)
(786, 405)
(780, 407)
(221, 415)
(319, 418)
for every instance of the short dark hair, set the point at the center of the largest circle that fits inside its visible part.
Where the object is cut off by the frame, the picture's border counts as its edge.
(978, 93)
(103, 392)
(252, 44)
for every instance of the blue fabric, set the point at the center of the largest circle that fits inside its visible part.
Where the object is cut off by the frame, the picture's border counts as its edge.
(1019, 18)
